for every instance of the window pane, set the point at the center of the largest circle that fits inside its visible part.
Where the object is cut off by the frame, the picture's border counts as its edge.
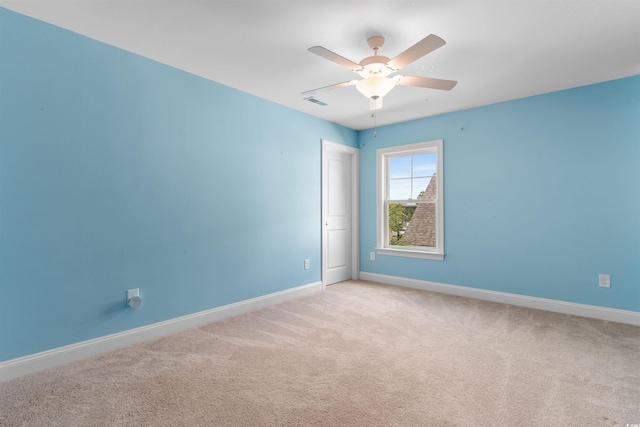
(419, 187)
(399, 217)
(400, 167)
(424, 164)
(412, 224)
(399, 189)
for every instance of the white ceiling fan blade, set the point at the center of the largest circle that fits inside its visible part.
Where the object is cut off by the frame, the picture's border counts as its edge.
(426, 82)
(330, 87)
(334, 57)
(417, 51)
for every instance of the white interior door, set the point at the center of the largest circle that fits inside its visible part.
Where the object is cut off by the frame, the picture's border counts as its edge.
(339, 192)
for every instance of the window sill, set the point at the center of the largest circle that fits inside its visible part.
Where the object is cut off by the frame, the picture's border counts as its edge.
(411, 254)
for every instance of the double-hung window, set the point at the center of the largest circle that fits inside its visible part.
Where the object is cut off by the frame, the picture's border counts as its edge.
(410, 200)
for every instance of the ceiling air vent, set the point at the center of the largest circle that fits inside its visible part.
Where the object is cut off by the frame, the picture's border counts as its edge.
(315, 101)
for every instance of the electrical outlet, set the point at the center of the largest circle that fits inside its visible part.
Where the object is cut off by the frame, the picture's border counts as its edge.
(372, 256)
(604, 280)
(307, 264)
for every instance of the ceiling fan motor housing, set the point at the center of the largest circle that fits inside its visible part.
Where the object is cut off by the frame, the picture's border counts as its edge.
(375, 66)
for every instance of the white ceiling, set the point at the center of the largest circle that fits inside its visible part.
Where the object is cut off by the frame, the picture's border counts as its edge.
(496, 50)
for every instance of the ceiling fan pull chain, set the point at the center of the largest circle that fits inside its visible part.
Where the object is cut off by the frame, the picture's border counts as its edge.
(372, 104)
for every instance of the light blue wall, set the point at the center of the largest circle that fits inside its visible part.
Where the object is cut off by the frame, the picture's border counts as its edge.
(541, 195)
(118, 172)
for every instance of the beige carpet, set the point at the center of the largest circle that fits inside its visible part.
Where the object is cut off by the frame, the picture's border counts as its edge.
(358, 354)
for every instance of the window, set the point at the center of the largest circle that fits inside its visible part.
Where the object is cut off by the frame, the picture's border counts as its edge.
(410, 200)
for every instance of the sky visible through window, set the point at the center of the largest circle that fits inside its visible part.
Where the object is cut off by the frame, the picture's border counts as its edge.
(410, 175)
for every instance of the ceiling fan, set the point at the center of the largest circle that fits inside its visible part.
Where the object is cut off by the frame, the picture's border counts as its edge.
(375, 70)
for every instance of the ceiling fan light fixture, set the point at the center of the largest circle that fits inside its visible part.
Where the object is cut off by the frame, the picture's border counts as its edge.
(375, 87)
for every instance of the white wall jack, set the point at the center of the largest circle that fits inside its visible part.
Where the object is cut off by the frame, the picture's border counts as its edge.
(307, 264)
(372, 256)
(604, 280)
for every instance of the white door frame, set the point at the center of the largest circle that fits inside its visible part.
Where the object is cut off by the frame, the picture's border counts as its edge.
(354, 154)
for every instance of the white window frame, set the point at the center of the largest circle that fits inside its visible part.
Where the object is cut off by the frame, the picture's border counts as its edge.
(382, 199)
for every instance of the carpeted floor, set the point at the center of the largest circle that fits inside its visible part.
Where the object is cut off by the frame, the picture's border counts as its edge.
(357, 354)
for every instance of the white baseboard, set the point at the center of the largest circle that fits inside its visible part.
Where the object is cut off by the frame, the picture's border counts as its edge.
(592, 311)
(15, 368)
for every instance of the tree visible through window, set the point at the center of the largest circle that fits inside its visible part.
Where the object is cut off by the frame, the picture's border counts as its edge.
(410, 200)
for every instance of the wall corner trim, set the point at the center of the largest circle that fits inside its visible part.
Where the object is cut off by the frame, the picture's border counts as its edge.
(32, 363)
(583, 310)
